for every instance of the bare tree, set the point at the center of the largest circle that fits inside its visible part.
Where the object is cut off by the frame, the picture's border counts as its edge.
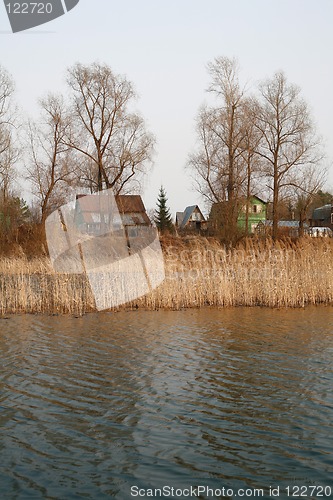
(9, 151)
(6, 93)
(223, 163)
(209, 172)
(9, 156)
(289, 144)
(249, 152)
(50, 169)
(114, 141)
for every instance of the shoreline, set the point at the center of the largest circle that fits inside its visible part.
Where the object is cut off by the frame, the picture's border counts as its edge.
(127, 310)
(200, 272)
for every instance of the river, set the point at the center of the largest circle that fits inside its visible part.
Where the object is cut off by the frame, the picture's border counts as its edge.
(114, 405)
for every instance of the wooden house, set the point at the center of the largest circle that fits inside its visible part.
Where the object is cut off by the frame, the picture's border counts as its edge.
(191, 219)
(100, 213)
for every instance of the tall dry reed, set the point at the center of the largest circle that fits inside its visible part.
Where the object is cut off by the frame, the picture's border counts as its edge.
(199, 272)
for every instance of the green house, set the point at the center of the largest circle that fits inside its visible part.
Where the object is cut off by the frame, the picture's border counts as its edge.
(257, 212)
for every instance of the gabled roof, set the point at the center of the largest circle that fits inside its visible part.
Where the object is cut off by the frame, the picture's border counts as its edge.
(130, 207)
(260, 199)
(179, 218)
(129, 203)
(187, 214)
(125, 203)
(217, 208)
(90, 203)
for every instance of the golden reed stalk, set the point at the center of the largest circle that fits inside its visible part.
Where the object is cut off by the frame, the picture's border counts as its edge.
(199, 272)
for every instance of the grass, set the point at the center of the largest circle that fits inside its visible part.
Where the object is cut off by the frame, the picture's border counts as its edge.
(199, 272)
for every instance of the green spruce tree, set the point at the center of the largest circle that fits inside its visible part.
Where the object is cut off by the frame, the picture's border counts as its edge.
(162, 217)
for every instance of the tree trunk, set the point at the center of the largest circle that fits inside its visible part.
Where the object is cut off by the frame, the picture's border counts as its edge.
(248, 195)
(302, 218)
(275, 208)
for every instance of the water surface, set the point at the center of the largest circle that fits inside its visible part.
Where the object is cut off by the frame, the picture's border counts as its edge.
(240, 398)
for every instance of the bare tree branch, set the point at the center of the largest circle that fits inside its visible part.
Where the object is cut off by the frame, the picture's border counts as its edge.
(289, 144)
(114, 141)
(51, 166)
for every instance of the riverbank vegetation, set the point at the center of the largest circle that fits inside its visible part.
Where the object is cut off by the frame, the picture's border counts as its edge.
(199, 272)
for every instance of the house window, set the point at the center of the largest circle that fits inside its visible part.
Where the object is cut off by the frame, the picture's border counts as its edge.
(256, 209)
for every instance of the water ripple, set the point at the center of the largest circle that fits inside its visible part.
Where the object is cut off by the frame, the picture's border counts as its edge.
(90, 406)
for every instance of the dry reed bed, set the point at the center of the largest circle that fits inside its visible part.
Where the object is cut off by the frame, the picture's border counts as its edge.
(199, 272)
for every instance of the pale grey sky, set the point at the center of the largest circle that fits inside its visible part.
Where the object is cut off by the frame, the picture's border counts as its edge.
(163, 47)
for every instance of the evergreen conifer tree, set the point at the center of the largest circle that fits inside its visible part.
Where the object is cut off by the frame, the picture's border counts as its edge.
(162, 217)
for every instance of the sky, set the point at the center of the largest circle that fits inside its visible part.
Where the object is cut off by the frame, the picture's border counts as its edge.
(163, 48)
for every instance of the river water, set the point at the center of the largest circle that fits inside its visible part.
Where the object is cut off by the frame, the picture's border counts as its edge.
(237, 398)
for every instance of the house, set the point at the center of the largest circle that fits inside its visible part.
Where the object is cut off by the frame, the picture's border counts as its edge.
(100, 213)
(322, 217)
(191, 219)
(256, 210)
(250, 213)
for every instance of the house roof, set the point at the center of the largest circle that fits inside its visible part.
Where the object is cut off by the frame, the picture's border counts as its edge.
(283, 223)
(260, 199)
(130, 207)
(322, 213)
(179, 217)
(187, 214)
(130, 203)
(125, 203)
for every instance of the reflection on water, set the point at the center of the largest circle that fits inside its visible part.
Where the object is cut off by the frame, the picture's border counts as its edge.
(236, 398)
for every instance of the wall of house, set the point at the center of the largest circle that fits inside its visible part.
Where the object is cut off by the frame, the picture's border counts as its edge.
(257, 213)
